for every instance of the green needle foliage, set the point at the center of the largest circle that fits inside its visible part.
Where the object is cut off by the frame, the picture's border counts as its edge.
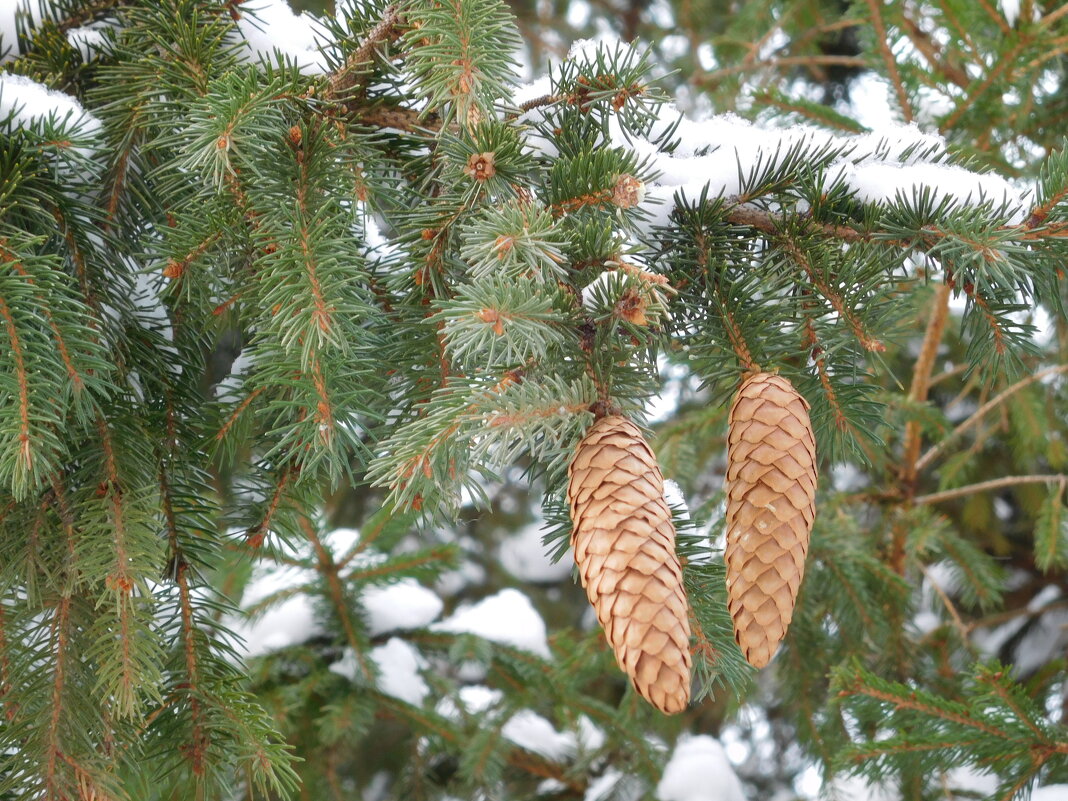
(283, 338)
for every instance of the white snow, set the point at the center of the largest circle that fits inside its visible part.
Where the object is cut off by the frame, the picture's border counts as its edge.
(600, 787)
(1011, 10)
(856, 788)
(970, 782)
(699, 771)
(525, 557)
(534, 733)
(9, 11)
(270, 26)
(398, 667)
(229, 389)
(894, 162)
(508, 618)
(475, 700)
(398, 664)
(1051, 792)
(87, 39)
(32, 102)
(404, 605)
(289, 623)
(589, 735)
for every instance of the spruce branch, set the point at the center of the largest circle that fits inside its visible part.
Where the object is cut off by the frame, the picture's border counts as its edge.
(972, 420)
(23, 473)
(921, 379)
(1053, 16)
(328, 569)
(977, 88)
(923, 42)
(882, 41)
(837, 301)
(986, 486)
(712, 79)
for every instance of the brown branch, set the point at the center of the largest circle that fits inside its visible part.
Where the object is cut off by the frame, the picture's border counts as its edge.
(328, 569)
(228, 424)
(828, 119)
(841, 422)
(999, 19)
(971, 95)
(61, 345)
(984, 486)
(119, 580)
(86, 14)
(923, 42)
(195, 750)
(5, 671)
(25, 454)
(770, 222)
(60, 626)
(785, 61)
(1010, 702)
(867, 341)
(254, 536)
(979, 413)
(883, 43)
(913, 704)
(947, 602)
(991, 621)
(921, 380)
(1054, 15)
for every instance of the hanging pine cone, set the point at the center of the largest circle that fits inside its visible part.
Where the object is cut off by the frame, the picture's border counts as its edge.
(771, 490)
(624, 543)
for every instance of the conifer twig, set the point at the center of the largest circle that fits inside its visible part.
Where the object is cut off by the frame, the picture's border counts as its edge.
(984, 486)
(923, 42)
(883, 44)
(867, 341)
(921, 379)
(947, 602)
(832, 60)
(328, 569)
(25, 452)
(979, 413)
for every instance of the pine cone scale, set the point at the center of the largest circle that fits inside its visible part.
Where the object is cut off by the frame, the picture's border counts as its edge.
(624, 547)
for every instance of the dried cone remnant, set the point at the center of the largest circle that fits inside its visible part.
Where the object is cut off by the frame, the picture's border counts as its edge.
(771, 490)
(624, 545)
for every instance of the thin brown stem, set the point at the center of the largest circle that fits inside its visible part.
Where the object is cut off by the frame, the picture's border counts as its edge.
(921, 380)
(883, 43)
(979, 413)
(328, 569)
(986, 486)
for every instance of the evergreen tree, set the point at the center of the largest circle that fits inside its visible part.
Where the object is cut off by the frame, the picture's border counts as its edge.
(308, 324)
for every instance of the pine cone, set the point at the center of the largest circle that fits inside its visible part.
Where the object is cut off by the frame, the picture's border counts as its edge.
(771, 490)
(624, 543)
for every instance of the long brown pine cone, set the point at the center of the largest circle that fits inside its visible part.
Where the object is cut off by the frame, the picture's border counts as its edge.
(624, 544)
(771, 490)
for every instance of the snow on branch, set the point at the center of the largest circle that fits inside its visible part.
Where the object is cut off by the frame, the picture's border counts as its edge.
(722, 155)
(24, 102)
